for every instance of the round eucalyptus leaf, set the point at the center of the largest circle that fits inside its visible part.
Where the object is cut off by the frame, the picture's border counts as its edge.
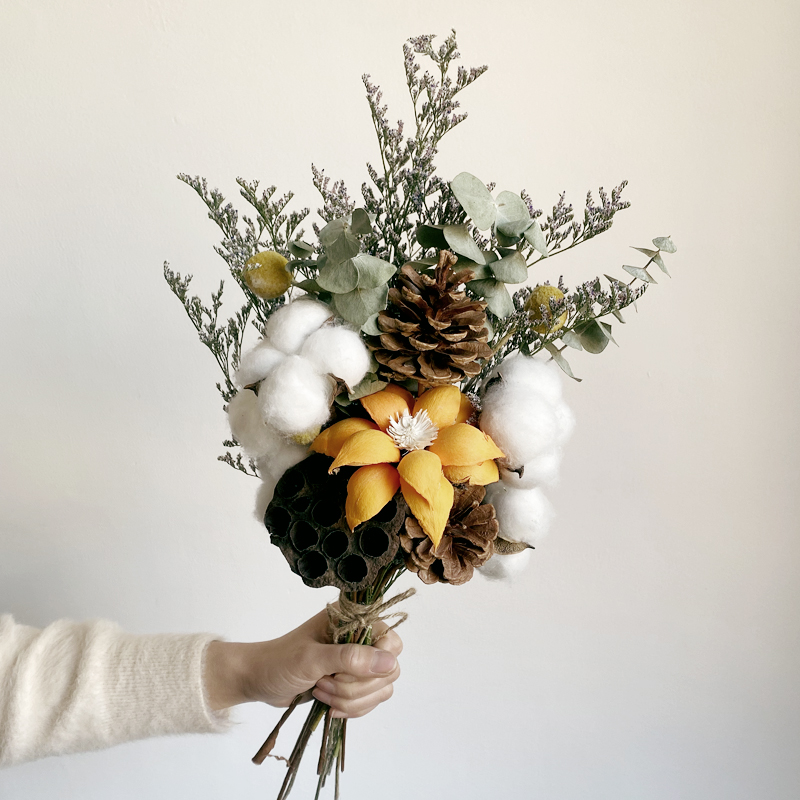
(372, 271)
(370, 327)
(300, 249)
(497, 298)
(535, 238)
(513, 217)
(475, 199)
(479, 271)
(646, 251)
(511, 269)
(431, 236)
(361, 223)
(343, 247)
(561, 361)
(309, 286)
(592, 337)
(333, 230)
(459, 240)
(665, 243)
(505, 241)
(360, 304)
(606, 327)
(660, 261)
(338, 278)
(571, 339)
(641, 274)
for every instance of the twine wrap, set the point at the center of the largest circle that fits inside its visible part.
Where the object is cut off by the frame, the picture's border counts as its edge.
(352, 618)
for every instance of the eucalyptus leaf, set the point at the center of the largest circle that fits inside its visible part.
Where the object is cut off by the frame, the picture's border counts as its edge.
(360, 304)
(475, 199)
(369, 384)
(459, 240)
(511, 269)
(370, 327)
(660, 261)
(513, 217)
(571, 339)
(431, 236)
(361, 223)
(593, 338)
(310, 286)
(343, 247)
(561, 361)
(535, 237)
(665, 243)
(618, 314)
(480, 272)
(372, 271)
(333, 230)
(641, 274)
(607, 330)
(498, 300)
(338, 278)
(300, 249)
(648, 253)
(506, 241)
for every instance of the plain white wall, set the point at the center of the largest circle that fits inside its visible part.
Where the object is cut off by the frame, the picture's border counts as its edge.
(651, 651)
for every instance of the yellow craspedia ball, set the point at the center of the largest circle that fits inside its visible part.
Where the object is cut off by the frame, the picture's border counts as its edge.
(266, 275)
(540, 296)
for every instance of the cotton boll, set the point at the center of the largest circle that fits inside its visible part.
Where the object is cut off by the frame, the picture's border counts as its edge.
(338, 351)
(504, 568)
(541, 471)
(526, 372)
(264, 497)
(521, 423)
(565, 420)
(248, 426)
(289, 326)
(257, 363)
(524, 515)
(283, 457)
(294, 397)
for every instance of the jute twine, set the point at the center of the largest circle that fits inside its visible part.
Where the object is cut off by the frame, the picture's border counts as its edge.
(352, 618)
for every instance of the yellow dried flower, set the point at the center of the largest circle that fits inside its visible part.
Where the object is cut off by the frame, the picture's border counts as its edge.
(266, 275)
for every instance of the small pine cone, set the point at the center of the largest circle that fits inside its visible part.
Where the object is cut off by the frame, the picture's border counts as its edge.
(431, 331)
(467, 542)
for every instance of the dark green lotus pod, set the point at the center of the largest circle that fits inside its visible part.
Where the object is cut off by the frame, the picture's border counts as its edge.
(306, 520)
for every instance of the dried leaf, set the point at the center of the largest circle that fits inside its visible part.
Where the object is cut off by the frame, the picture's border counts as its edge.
(641, 274)
(459, 240)
(372, 272)
(665, 243)
(593, 337)
(475, 199)
(535, 237)
(360, 304)
(561, 361)
(498, 300)
(513, 217)
(338, 278)
(361, 223)
(511, 269)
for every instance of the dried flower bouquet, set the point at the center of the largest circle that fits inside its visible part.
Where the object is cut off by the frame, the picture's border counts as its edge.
(393, 408)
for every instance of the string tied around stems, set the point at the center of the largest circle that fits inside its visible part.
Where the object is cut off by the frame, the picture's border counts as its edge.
(348, 618)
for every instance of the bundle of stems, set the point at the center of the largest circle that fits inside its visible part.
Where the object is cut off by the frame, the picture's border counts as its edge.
(334, 732)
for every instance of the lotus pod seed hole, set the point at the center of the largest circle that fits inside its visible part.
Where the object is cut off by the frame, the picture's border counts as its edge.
(387, 513)
(353, 569)
(374, 542)
(277, 521)
(301, 504)
(291, 484)
(334, 545)
(312, 565)
(303, 536)
(326, 513)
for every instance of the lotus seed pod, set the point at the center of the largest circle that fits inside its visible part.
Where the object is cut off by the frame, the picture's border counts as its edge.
(540, 296)
(266, 275)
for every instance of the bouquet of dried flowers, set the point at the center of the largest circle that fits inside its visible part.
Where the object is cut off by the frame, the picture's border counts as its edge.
(393, 408)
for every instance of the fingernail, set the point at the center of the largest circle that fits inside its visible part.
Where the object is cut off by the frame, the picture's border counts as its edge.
(383, 662)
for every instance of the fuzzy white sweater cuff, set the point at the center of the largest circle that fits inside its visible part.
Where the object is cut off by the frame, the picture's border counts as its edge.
(83, 686)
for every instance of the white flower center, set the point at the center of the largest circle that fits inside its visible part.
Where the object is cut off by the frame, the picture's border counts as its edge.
(412, 432)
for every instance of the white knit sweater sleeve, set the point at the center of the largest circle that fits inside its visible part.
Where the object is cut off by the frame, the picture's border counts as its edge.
(83, 686)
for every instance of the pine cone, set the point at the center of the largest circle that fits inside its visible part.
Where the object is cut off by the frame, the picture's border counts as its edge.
(467, 542)
(431, 331)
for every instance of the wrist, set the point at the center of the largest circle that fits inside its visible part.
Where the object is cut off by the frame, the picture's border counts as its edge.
(225, 675)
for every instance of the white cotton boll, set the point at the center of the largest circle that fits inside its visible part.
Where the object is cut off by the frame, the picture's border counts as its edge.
(526, 372)
(521, 423)
(257, 363)
(248, 426)
(338, 351)
(264, 497)
(283, 457)
(541, 471)
(289, 326)
(504, 568)
(524, 515)
(295, 398)
(565, 420)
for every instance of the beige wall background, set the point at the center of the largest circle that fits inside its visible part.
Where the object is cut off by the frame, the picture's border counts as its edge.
(652, 648)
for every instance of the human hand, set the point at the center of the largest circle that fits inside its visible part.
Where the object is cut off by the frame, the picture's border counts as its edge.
(351, 678)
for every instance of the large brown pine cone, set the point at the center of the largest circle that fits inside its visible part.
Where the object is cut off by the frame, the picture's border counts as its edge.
(467, 542)
(431, 332)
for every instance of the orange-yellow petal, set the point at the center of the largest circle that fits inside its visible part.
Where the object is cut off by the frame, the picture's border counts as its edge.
(442, 404)
(402, 392)
(421, 470)
(477, 475)
(366, 447)
(368, 491)
(461, 445)
(465, 410)
(330, 441)
(384, 405)
(433, 514)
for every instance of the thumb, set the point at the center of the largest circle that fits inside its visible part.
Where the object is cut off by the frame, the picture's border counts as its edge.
(361, 661)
